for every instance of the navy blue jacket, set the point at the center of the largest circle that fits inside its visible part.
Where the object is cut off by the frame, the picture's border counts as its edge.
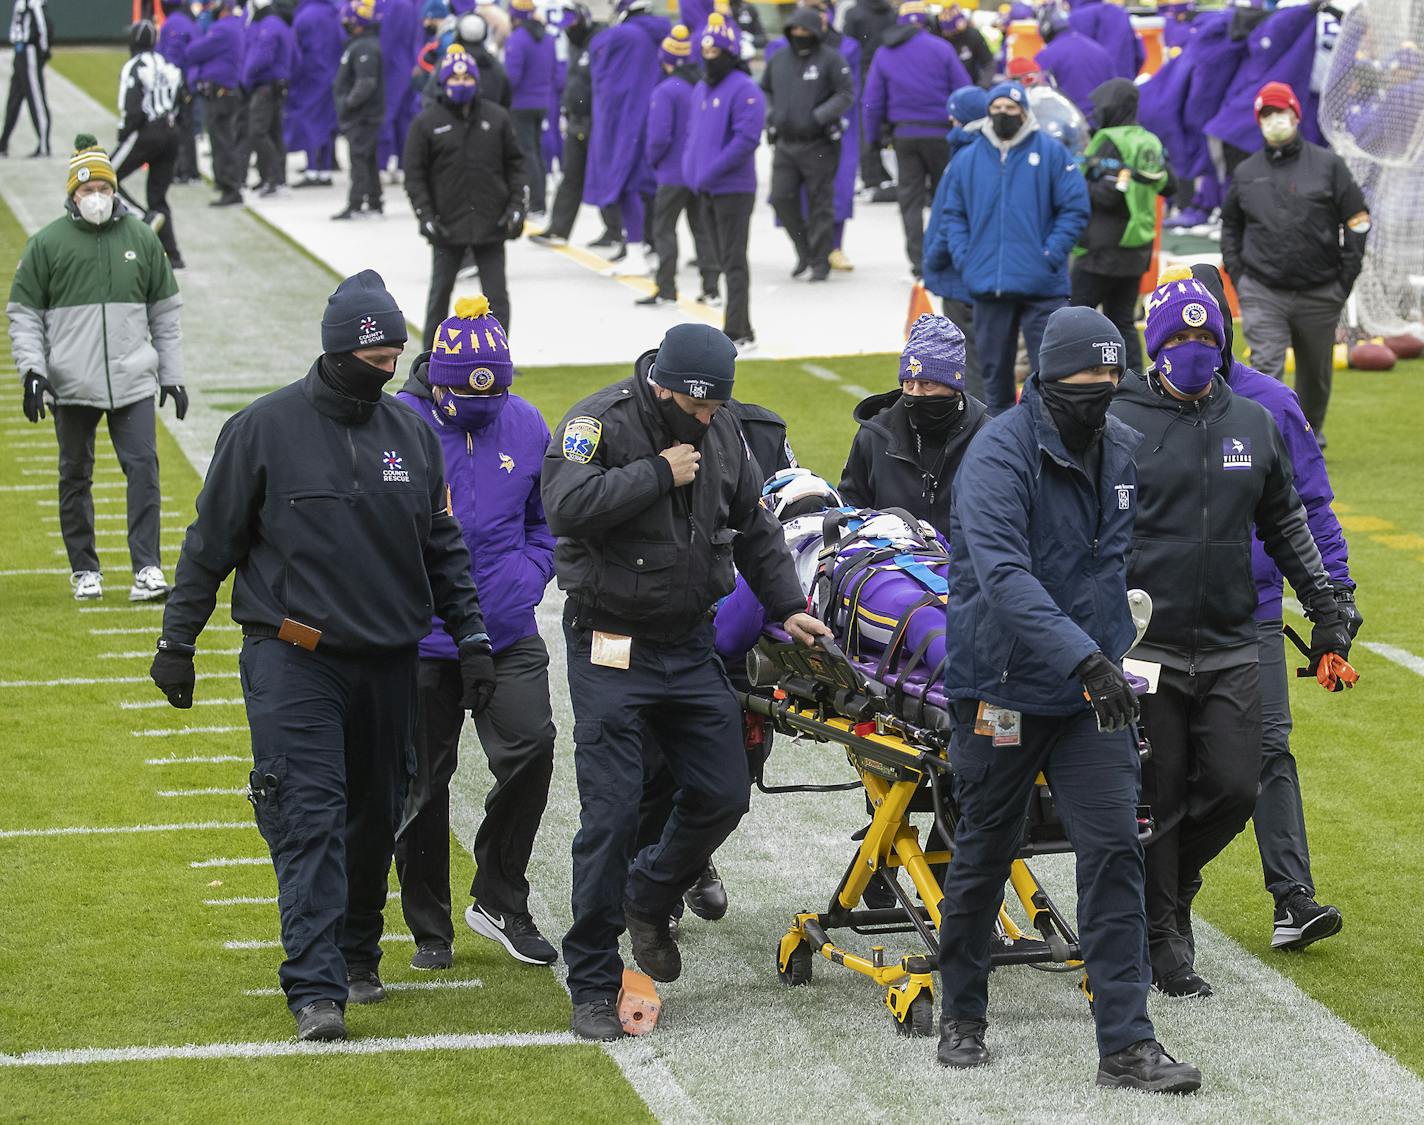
(1038, 572)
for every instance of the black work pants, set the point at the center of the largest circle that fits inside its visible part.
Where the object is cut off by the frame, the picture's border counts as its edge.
(187, 168)
(224, 115)
(27, 88)
(1279, 814)
(529, 131)
(131, 428)
(996, 330)
(1095, 780)
(156, 144)
(961, 313)
(672, 201)
(680, 695)
(570, 193)
(729, 223)
(1201, 784)
(332, 756)
(264, 133)
(362, 141)
(921, 162)
(1117, 297)
(809, 165)
(445, 262)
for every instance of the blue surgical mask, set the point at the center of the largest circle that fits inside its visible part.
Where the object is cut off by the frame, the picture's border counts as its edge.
(1189, 367)
(471, 412)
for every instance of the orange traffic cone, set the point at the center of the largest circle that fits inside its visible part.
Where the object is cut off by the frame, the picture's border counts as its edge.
(919, 305)
(638, 1003)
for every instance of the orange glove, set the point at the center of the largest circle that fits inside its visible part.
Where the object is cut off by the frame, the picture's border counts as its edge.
(1335, 673)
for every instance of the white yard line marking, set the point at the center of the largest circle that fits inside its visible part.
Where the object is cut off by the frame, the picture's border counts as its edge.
(35, 570)
(154, 704)
(124, 829)
(115, 532)
(147, 630)
(272, 901)
(1402, 657)
(86, 1056)
(50, 487)
(54, 519)
(232, 861)
(117, 553)
(275, 943)
(170, 732)
(208, 760)
(147, 653)
(397, 986)
(202, 792)
(120, 608)
(55, 503)
(826, 375)
(99, 474)
(81, 681)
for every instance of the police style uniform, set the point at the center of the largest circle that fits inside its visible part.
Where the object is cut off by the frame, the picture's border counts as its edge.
(332, 511)
(643, 562)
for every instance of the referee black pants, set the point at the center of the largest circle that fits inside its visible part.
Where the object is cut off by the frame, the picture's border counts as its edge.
(27, 88)
(157, 144)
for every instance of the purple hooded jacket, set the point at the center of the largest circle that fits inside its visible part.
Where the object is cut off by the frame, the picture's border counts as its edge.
(669, 118)
(311, 109)
(269, 51)
(1280, 49)
(910, 79)
(623, 64)
(178, 31)
(216, 55)
(530, 63)
(1189, 89)
(1078, 66)
(727, 120)
(1110, 27)
(401, 36)
(493, 477)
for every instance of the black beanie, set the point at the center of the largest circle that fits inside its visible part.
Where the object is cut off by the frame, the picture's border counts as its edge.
(1077, 339)
(361, 314)
(697, 360)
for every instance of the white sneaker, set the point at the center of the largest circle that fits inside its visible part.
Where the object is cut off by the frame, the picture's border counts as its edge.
(87, 585)
(633, 264)
(148, 585)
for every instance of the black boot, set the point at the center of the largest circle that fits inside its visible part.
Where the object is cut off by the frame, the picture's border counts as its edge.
(363, 986)
(597, 1020)
(707, 898)
(961, 1043)
(1182, 982)
(321, 1019)
(1145, 1066)
(653, 948)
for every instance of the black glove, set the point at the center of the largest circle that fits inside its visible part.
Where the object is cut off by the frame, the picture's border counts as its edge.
(179, 394)
(1109, 692)
(477, 678)
(513, 222)
(36, 387)
(1329, 633)
(1345, 603)
(433, 231)
(172, 670)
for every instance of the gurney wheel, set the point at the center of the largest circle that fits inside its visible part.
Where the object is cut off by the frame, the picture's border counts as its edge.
(798, 967)
(919, 1020)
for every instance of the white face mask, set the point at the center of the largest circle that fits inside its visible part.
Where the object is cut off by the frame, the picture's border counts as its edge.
(1278, 128)
(96, 208)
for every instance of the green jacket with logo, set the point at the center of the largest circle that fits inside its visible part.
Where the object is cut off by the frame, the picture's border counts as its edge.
(95, 311)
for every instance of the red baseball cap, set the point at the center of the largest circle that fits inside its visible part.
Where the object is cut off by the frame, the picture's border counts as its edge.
(1277, 95)
(1023, 69)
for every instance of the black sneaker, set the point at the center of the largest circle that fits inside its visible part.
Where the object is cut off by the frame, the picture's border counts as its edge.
(1301, 920)
(363, 986)
(344, 215)
(801, 266)
(821, 273)
(227, 199)
(516, 932)
(707, 898)
(607, 238)
(653, 947)
(549, 238)
(321, 1020)
(1182, 982)
(175, 261)
(1145, 1066)
(655, 299)
(431, 955)
(961, 1043)
(597, 1020)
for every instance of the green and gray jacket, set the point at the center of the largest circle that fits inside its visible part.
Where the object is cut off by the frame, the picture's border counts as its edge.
(95, 311)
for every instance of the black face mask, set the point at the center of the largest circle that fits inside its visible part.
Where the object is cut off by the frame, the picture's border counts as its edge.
(1006, 125)
(577, 34)
(803, 45)
(933, 415)
(354, 377)
(682, 425)
(719, 68)
(1079, 410)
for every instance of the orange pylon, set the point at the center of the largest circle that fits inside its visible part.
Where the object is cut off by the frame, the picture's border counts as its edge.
(919, 305)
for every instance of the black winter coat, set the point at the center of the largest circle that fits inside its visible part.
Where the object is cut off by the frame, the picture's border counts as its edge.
(463, 168)
(801, 107)
(1210, 475)
(360, 84)
(765, 433)
(1285, 219)
(886, 468)
(866, 22)
(643, 558)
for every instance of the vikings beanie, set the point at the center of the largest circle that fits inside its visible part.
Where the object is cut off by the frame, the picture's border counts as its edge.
(934, 351)
(361, 314)
(719, 33)
(676, 49)
(89, 162)
(1078, 339)
(1180, 301)
(471, 349)
(696, 360)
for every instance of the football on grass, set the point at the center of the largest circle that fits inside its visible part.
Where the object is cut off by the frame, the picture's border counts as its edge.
(1405, 347)
(1371, 355)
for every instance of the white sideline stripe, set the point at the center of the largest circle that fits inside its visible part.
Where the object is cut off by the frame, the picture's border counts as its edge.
(111, 551)
(125, 829)
(34, 570)
(391, 897)
(147, 631)
(120, 608)
(203, 792)
(81, 681)
(99, 474)
(215, 758)
(232, 861)
(1402, 657)
(51, 486)
(115, 532)
(86, 1056)
(97, 499)
(275, 943)
(154, 704)
(398, 986)
(147, 653)
(166, 732)
(826, 375)
(54, 519)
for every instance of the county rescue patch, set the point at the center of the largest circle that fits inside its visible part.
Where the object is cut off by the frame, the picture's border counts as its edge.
(581, 437)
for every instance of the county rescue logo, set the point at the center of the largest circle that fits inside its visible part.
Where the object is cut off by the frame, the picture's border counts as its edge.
(395, 471)
(1235, 453)
(581, 437)
(370, 334)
